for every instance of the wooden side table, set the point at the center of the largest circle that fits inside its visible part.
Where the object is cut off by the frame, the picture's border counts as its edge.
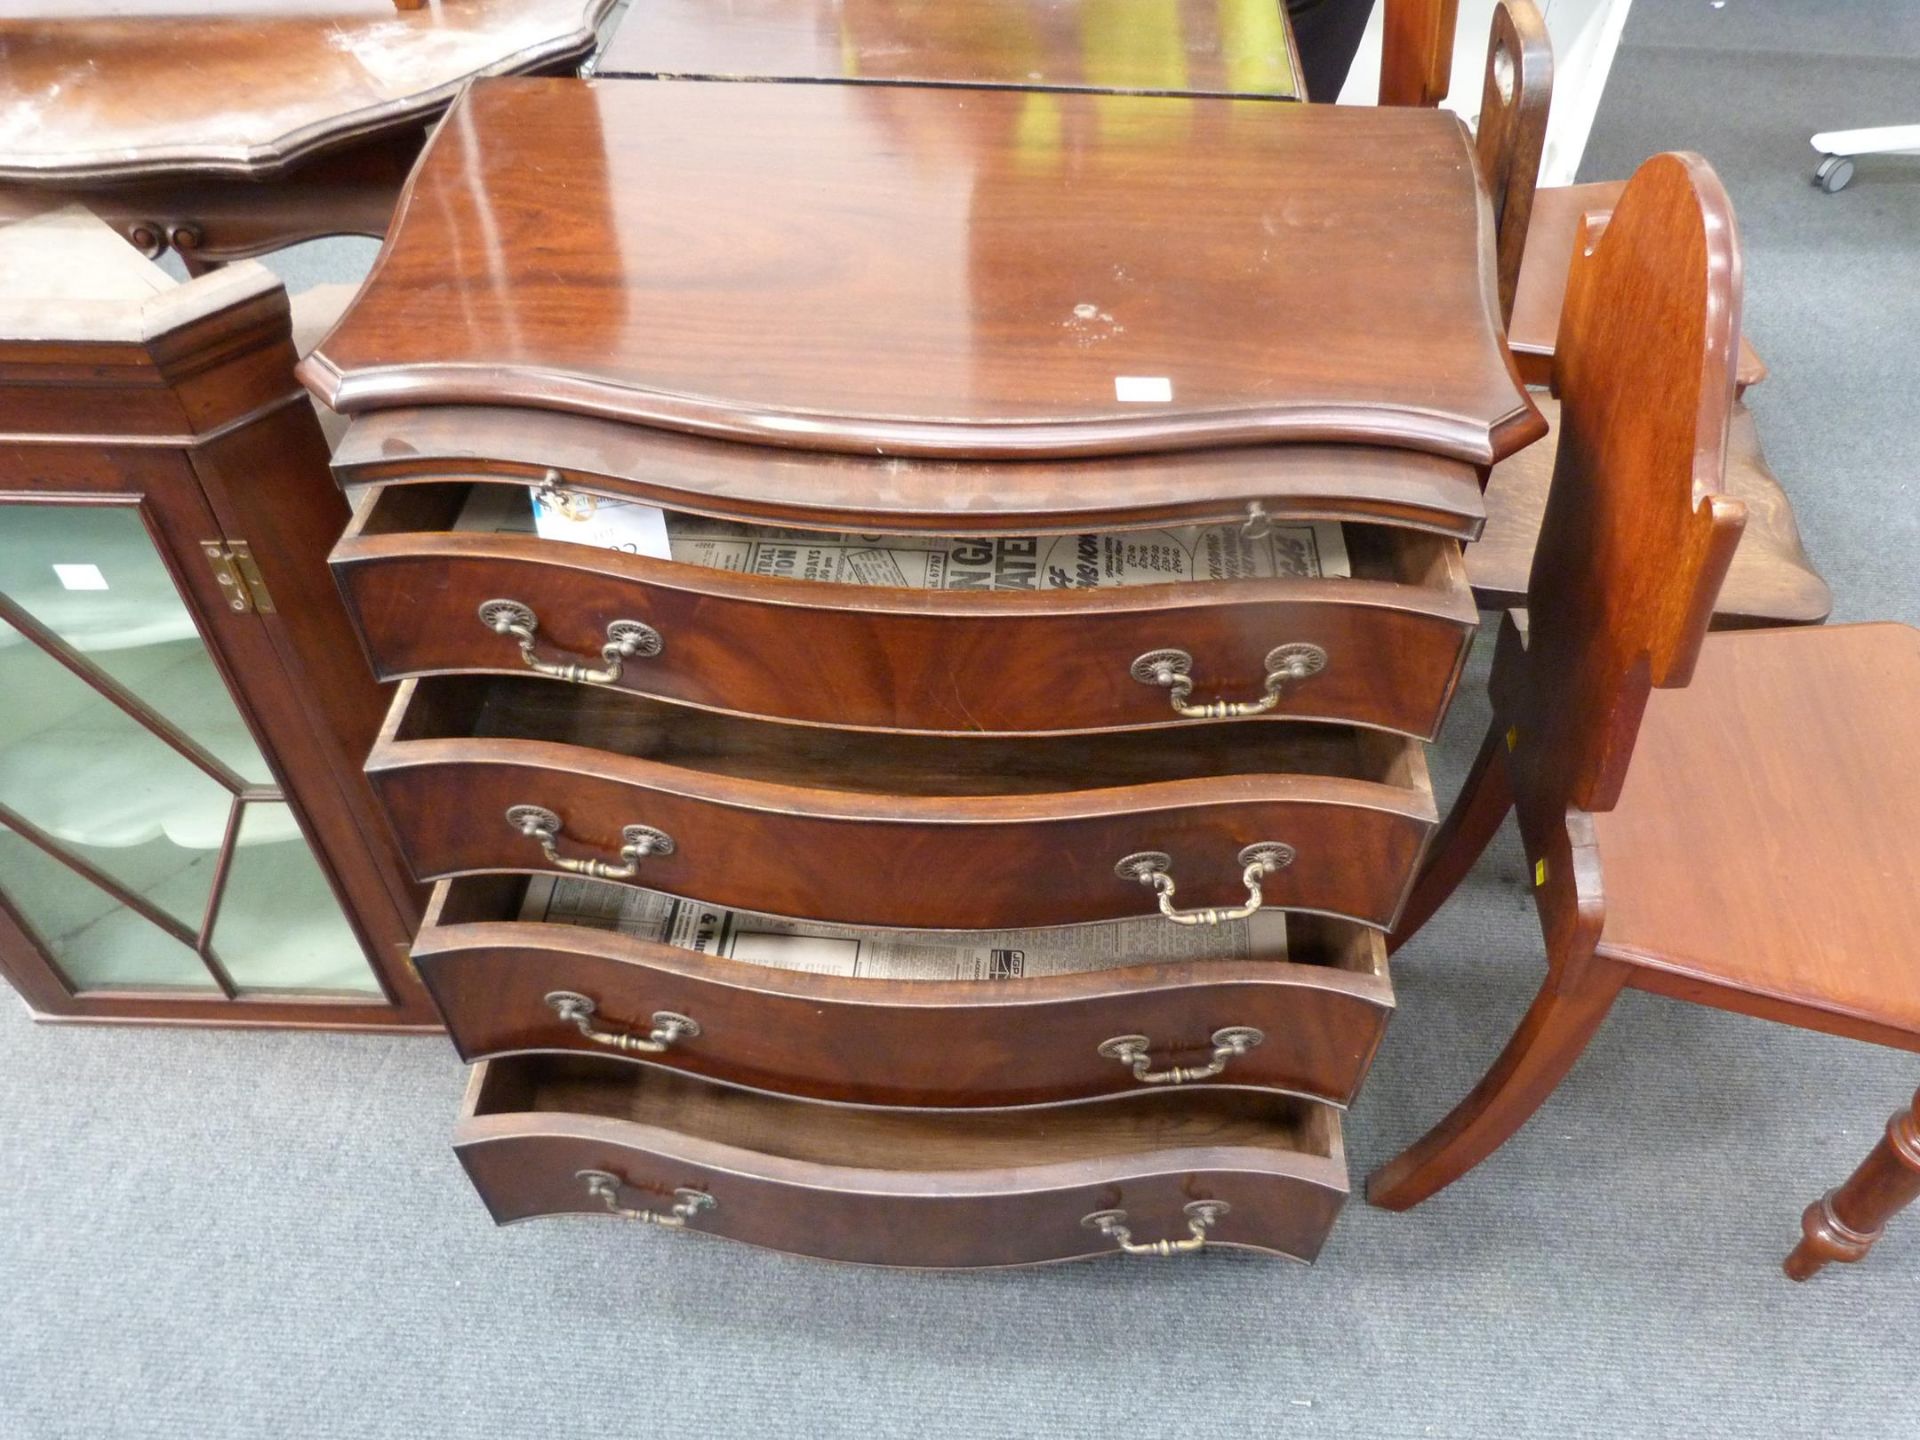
(232, 128)
(184, 831)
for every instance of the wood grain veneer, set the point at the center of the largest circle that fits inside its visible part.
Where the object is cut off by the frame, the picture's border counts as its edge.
(913, 270)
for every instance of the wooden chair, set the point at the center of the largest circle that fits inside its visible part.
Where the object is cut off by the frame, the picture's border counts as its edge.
(1416, 50)
(1536, 227)
(1513, 129)
(1772, 582)
(1759, 855)
(1844, 1224)
(1557, 212)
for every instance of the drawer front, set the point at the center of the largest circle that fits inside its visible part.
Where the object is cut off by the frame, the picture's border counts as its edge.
(1377, 653)
(1025, 1212)
(976, 862)
(1315, 1028)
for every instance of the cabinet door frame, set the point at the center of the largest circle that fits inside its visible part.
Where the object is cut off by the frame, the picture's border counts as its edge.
(163, 483)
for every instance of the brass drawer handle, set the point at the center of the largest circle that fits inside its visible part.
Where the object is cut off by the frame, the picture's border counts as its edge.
(1201, 1217)
(604, 1186)
(539, 823)
(1228, 1044)
(1150, 868)
(625, 639)
(1174, 670)
(577, 1010)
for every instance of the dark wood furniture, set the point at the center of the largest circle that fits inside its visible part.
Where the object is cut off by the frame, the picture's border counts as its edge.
(1558, 213)
(1771, 581)
(184, 834)
(1513, 129)
(1757, 853)
(1187, 47)
(232, 128)
(907, 311)
(1845, 1223)
(1416, 51)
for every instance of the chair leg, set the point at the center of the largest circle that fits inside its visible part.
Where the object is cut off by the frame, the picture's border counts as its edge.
(1844, 1224)
(1466, 832)
(1553, 1034)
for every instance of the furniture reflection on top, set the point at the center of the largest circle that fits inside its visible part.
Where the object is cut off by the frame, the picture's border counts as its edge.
(1722, 819)
(233, 128)
(1239, 48)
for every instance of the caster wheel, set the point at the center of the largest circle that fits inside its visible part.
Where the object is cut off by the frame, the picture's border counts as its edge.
(1833, 174)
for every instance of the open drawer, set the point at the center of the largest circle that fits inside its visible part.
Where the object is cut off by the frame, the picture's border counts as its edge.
(556, 1135)
(1381, 647)
(492, 773)
(1041, 1025)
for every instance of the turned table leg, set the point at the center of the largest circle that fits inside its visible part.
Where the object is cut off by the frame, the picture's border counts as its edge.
(1844, 1223)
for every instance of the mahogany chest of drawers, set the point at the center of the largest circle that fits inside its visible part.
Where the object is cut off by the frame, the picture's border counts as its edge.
(703, 822)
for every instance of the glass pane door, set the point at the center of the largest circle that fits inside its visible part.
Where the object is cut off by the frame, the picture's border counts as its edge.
(143, 838)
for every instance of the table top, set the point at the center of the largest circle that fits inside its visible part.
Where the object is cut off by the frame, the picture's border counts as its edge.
(936, 271)
(1185, 47)
(139, 88)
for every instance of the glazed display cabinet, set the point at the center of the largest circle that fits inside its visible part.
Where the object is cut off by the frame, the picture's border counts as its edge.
(184, 834)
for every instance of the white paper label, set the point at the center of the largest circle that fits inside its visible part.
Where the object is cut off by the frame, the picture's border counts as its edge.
(80, 577)
(1142, 389)
(601, 520)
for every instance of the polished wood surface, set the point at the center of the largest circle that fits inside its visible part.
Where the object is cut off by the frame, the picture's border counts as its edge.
(248, 87)
(1540, 291)
(1022, 1041)
(886, 495)
(1184, 47)
(1771, 581)
(918, 1188)
(918, 270)
(1416, 50)
(1786, 878)
(1847, 1222)
(1512, 129)
(961, 662)
(1637, 537)
(904, 831)
(119, 386)
(1757, 853)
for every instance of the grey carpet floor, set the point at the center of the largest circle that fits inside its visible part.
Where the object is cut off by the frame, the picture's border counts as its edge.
(230, 1234)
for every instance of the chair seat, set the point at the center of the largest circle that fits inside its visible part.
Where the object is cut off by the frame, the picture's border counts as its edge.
(1771, 583)
(1542, 284)
(1765, 853)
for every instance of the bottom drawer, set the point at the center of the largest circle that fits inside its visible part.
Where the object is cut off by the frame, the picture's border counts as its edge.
(558, 1134)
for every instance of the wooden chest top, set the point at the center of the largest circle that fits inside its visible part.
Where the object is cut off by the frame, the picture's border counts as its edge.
(934, 271)
(1179, 47)
(137, 88)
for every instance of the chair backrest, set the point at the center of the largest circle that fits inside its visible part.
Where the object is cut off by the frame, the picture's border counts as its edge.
(1416, 50)
(1513, 130)
(1638, 534)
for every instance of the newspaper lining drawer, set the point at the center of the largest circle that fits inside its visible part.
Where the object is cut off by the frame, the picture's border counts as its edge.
(508, 985)
(1382, 648)
(559, 1135)
(486, 774)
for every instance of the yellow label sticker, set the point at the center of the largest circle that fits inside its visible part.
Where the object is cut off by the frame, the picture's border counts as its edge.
(1513, 736)
(1539, 872)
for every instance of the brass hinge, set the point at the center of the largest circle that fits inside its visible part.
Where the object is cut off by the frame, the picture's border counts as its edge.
(240, 579)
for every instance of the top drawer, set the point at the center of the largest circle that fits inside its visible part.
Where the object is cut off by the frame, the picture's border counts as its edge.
(1381, 648)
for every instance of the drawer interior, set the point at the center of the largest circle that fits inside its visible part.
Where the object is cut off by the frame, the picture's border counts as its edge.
(1297, 938)
(812, 1132)
(1372, 552)
(512, 707)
